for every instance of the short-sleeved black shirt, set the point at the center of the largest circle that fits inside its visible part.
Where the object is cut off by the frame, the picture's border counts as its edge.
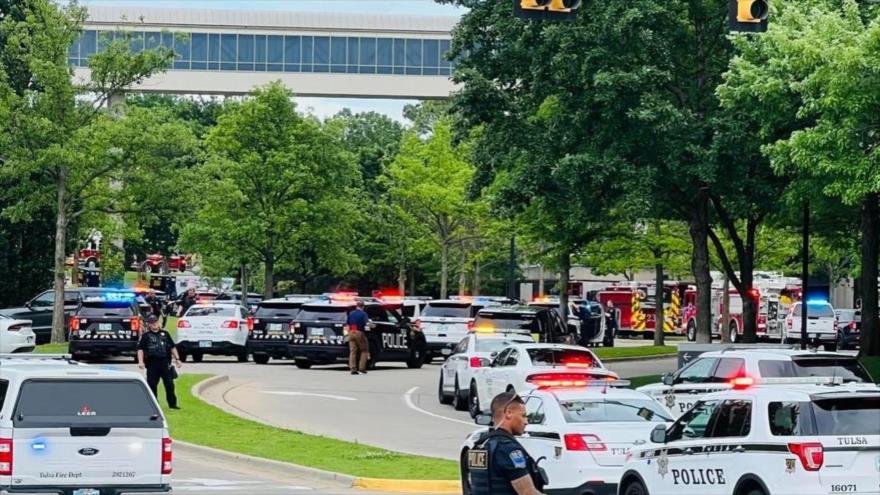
(161, 334)
(509, 460)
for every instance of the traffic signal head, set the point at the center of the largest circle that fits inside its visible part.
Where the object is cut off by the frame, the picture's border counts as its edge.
(748, 16)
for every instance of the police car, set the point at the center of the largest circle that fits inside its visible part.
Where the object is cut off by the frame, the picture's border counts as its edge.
(784, 438)
(269, 329)
(320, 334)
(75, 429)
(583, 433)
(216, 328)
(523, 367)
(543, 324)
(445, 322)
(105, 324)
(474, 351)
(713, 372)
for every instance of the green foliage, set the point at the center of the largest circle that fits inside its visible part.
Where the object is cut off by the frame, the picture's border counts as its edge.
(627, 248)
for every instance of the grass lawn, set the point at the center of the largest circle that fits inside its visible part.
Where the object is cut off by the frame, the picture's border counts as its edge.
(872, 364)
(638, 381)
(51, 349)
(204, 424)
(628, 352)
(129, 279)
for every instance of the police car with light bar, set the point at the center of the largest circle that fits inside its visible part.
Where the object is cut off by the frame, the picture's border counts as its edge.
(105, 324)
(522, 367)
(583, 433)
(474, 351)
(713, 371)
(269, 329)
(320, 333)
(73, 429)
(780, 436)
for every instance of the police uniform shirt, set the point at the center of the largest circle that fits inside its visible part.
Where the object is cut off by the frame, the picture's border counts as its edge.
(509, 460)
(495, 462)
(165, 341)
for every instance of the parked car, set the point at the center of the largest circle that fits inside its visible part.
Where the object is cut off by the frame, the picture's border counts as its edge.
(849, 327)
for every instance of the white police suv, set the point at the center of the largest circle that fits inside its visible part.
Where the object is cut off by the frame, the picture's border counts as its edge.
(73, 429)
(713, 372)
(580, 435)
(781, 438)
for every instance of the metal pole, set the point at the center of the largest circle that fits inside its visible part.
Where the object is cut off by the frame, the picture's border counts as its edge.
(805, 274)
(511, 276)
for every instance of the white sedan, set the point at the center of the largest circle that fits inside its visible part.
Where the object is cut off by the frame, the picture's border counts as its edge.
(527, 366)
(219, 329)
(474, 351)
(16, 335)
(583, 434)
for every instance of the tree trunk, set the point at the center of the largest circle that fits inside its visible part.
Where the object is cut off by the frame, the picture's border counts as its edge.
(462, 272)
(699, 230)
(750, 318)
(401, 279)
(444, 269)
(870, 339)
(245, 283)
(659, 313)
(412, 282)
(724, 322)
(564, 277)
(58, 315)
(269, 276)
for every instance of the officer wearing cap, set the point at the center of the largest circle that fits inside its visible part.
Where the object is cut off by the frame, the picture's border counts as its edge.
(498, 464)
(155, 352)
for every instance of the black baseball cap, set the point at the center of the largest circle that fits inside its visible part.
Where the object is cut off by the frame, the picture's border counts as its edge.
(152, 319)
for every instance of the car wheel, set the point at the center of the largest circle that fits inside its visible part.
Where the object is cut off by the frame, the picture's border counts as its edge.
(374, 356)
(303, 364)
(841, 341)
(474, 401)
(754, 491)
(182, 356)
(441, 395)
(416, 359)
(459, 399)
(197, 357)
(692, 331)
(634, 488)
(734, 336)
(242, 358)
(261, 358)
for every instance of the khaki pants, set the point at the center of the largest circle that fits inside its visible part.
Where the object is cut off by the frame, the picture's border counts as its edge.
(357, 344)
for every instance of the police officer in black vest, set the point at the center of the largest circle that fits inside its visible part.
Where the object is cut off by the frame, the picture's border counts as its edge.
(156, 349)
(498, 464)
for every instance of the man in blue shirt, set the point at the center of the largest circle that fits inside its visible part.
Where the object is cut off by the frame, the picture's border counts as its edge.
(358, 345)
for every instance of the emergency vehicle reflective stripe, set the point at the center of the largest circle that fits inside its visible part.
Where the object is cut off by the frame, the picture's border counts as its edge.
(771, 448)
(637, 316)
(672, 314)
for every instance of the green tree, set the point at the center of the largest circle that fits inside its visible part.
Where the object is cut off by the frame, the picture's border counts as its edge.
(829, 111)
(428, 180)
(58, 149)
(275, 184)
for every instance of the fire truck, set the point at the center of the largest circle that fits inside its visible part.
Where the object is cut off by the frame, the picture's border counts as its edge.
(636, 304)
(772, 297)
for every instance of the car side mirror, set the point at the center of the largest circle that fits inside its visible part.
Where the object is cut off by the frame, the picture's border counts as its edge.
(493, 354)
(658, 434)
(29, 305)
(668, 379)
(483, 420)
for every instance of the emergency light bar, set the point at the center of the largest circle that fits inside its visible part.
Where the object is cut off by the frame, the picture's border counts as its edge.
(744, 382)
(112, 297)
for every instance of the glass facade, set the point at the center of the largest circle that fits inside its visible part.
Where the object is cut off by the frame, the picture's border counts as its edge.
(281, 53)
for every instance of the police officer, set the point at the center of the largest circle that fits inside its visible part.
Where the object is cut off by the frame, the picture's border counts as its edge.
(156, 349)
(188, 299)
(154, 302)
(498, 464)
(358, 343)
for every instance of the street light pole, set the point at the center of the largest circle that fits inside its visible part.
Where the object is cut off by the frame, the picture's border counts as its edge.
(805, 274)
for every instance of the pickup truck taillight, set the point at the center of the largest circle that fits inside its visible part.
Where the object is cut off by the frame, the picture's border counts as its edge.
(5, 457)
(167, 456)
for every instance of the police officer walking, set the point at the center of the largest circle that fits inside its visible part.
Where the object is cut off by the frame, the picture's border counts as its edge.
(498, 464)
(358, 344)
(155, 352)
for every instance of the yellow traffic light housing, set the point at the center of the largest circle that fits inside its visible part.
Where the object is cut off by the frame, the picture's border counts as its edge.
(547, 9)
(748, 16)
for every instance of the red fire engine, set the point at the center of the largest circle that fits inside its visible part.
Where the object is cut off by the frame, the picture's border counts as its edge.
(636, 307)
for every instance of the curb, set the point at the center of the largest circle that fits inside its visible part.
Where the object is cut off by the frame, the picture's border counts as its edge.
(278, 468)
(408, 486)
(285, 469)
(639, 358)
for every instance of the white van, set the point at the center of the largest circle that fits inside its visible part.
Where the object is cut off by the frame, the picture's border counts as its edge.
(73, 429)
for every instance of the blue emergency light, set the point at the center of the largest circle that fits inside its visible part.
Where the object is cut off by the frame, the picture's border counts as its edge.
(816, 302)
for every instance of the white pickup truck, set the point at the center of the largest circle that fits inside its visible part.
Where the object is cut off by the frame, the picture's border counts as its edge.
(821, 324)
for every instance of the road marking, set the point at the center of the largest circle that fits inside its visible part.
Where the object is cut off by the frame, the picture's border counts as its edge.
(307, 394)
(407, 398)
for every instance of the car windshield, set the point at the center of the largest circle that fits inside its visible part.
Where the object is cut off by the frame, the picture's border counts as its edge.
(847, 315)
(847, 416)
(814, 310)
(448, 310)
(99, 310)
(508, 321)
(120, 403)
(219, 310)
(288, 310)
(324, 313)
(497, 345)
(616, 410)
(848, 369)
(562, 357)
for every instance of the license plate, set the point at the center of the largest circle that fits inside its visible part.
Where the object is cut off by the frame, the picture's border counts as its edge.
(87, 491)
(105, 327)
(205, 343)
(273, 327)
(316, 333)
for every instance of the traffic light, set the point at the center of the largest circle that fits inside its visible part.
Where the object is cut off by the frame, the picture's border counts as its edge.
(562, 10)
(748, 16)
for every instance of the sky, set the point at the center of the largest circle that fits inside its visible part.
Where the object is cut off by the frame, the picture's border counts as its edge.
(322, 107)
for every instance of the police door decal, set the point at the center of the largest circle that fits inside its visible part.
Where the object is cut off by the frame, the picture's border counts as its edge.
(395, 340)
